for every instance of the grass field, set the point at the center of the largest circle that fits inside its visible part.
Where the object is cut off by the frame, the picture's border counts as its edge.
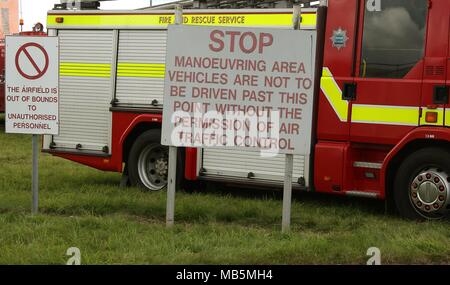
(85, 208)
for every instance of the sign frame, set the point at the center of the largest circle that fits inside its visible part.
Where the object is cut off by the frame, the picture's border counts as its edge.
(47, 81)
(295, 98)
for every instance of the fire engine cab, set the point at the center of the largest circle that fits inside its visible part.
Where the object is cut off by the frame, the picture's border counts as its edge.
(383, 114)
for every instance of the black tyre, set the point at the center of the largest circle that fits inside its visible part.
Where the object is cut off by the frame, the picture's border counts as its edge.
(148, 162)
(421, 187)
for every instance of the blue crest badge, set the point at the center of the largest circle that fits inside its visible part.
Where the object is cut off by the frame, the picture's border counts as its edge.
(339, 38)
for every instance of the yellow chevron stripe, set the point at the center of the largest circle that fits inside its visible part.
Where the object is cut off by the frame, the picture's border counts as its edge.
(333, 93)
(85, 69)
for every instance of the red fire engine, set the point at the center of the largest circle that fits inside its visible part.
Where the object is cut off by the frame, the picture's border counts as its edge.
(383, 110)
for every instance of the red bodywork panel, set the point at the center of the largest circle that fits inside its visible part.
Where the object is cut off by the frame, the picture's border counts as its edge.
(190, 172)
(329, 176)
(342, 14)
(97, 162)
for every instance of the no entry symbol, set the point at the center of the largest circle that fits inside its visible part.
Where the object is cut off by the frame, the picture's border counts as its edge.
(32, 66)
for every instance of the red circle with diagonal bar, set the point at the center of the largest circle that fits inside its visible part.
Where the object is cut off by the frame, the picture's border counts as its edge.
(41, 70)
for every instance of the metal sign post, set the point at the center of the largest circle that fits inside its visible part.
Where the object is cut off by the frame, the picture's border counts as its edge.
(289, 162)
(35, 175)
(170, 211)
(171, 183)
(287, 194)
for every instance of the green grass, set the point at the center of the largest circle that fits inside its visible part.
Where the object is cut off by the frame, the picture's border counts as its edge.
(82, 207)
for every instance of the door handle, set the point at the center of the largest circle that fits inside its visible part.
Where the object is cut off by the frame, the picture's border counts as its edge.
(440, 94)
(349, 93)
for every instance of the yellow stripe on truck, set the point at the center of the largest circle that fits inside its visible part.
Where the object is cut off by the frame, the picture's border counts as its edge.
(162, 20)
(153, 70)
(447, 117)
(385, 115)
(85, 69)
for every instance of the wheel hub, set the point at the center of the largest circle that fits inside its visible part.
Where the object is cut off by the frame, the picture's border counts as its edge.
(162, 167)
(153, 167)
(430, 191)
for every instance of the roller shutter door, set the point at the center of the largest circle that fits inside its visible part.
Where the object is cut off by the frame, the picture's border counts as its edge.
(238, 163)
(141, 67)
(85, 89)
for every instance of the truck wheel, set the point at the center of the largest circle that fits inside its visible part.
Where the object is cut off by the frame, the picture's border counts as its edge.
(422, 185)
(148, 162)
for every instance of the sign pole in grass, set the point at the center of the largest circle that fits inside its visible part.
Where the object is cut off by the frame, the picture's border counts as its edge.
(171, 186)
(289, 160)
(35, 175)
(287, 194)
(172, 175)
(32, 94)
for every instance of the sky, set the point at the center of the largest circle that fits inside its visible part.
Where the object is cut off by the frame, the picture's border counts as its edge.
(34, 11)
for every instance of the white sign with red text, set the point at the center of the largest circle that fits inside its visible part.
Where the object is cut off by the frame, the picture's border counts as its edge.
(32, 85)
(244, 88)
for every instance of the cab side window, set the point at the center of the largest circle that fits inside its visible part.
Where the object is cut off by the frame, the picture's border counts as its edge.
(393, 38)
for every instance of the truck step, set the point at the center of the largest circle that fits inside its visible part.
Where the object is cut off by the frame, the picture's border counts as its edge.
(371, 165)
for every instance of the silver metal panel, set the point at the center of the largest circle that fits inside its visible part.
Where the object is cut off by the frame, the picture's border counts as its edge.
(85, 100)
(144, 47)
(137, 91)
(238, 163)
(363, 164)
(86, 46)
(362, 194)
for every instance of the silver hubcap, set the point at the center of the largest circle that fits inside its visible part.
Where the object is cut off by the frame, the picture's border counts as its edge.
(153, 166)
(429, 191)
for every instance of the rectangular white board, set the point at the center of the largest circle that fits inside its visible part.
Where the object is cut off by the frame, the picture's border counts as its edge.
(32, 85)
(212, 72)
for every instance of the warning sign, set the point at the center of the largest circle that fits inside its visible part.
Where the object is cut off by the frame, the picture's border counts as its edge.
(242, 88)
(32, 85)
